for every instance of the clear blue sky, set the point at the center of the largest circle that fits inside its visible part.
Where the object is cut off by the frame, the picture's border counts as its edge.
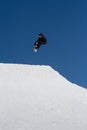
(64, 23)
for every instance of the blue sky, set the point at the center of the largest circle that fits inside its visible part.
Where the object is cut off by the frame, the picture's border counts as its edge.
(64, 23)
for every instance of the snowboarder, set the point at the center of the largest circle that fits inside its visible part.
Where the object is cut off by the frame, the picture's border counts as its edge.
(40, 41)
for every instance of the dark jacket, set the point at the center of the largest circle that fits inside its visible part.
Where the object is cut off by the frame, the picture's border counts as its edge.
(40, 41)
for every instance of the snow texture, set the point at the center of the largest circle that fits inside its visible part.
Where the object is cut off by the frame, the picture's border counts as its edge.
(34, 97)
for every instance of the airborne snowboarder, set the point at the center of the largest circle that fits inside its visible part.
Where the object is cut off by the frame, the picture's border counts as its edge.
(40, 41)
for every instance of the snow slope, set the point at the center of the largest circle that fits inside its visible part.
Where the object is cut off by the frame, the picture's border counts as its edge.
(34, 97)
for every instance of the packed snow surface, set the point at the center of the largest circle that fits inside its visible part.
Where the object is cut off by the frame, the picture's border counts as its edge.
(34, 97)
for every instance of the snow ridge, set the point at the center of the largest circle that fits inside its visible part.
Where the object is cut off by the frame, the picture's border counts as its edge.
(35, 97)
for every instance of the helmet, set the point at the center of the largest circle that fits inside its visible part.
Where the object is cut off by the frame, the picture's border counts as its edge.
(40, 35)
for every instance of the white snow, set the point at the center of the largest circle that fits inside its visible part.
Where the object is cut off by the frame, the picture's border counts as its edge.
(34, 97)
